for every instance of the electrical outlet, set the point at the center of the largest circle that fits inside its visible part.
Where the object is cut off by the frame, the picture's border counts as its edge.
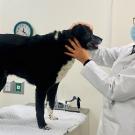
(14, 87)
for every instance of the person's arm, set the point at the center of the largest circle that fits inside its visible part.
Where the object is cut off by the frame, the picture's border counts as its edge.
(102, 56)
(105, 56)
(120, 87)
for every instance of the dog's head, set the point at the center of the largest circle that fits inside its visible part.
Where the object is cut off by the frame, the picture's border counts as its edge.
(84, 35)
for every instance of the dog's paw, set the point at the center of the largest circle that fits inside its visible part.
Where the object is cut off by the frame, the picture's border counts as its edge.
(53, 118)
(46, 128)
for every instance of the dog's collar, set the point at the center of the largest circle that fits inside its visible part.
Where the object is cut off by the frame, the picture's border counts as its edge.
(56, 35)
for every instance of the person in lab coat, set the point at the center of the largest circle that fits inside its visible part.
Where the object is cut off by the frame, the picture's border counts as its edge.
(118, 87)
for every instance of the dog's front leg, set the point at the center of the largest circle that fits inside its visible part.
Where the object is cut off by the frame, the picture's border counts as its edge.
(40, 98)
(3, 79)
(51, 95)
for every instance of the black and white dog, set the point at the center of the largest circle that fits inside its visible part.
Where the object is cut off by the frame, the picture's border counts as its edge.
(40, 59)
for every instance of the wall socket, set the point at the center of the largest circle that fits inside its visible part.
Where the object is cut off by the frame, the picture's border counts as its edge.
(14, 87)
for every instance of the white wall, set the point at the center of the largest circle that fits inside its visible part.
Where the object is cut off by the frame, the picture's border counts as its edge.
(46, 16)
(123, 13)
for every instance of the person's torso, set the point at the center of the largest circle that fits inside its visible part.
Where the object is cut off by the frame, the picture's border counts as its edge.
(118, 118)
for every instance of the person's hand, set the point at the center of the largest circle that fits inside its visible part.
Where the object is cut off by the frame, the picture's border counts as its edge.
(76, 51)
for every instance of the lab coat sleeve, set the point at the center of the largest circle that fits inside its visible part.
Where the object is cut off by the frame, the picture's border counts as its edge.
(105, 56)
(116, 88)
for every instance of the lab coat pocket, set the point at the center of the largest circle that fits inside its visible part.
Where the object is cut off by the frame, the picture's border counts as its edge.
(110, 127)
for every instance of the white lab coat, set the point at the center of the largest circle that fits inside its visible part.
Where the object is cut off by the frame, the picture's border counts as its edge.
(118, 88)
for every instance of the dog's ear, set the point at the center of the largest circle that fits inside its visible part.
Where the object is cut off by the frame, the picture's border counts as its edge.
(83, 34)
(82, 31)
(78, 31)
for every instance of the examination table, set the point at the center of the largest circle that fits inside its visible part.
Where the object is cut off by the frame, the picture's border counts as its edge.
(21, 120)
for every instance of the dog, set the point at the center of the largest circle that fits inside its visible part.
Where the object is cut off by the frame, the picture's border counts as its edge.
(40, 59)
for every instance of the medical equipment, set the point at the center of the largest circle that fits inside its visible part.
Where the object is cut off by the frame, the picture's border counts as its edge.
(66, 105)
(77, 99)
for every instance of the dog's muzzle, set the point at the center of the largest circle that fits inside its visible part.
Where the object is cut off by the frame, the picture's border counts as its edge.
(94, 42)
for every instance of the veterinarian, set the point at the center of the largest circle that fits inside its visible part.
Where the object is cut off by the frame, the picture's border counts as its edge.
(118, 87)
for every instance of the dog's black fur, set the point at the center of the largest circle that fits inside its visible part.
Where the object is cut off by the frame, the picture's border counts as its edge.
(38, 59)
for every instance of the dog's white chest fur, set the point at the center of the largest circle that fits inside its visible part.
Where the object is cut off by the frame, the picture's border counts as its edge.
(63, 71)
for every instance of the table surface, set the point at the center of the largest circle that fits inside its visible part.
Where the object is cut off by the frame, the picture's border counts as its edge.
(70, 109)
